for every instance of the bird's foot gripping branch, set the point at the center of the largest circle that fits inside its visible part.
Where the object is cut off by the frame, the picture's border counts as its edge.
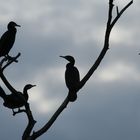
(6, 61)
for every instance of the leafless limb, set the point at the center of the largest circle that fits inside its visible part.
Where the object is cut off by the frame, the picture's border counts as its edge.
(110, 25)
(30, 125)
(31, 121)
(51, 121)
(117, 10)
(119, 14)
(14, 59)
(5, 81)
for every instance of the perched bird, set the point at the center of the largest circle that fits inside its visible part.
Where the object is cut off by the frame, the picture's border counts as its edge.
(7, 39)
(15, 100)
(72, 78)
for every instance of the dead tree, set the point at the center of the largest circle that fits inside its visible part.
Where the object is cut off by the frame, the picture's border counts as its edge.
(29, 133)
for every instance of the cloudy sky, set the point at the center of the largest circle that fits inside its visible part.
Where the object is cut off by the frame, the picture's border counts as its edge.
(107, 107)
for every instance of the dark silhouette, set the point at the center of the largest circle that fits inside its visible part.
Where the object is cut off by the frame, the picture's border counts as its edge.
(72, 78)
(15, 100)
(7, 40)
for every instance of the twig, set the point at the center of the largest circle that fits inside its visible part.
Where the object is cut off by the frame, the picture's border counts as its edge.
(117, 10)
(14, 59)
(120, 13)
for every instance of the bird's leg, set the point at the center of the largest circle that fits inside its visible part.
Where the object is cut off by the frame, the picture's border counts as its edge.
(18, 111)
(14, 113)
(2, 61)
(7, 57)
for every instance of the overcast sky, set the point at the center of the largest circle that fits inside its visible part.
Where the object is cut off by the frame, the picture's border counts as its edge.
(107, 107)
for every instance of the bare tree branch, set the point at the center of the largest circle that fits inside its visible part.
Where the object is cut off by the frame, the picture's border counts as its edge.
(30, 125)
(51, 121)
(5, 81)
(120, 13)
(14, 59)
(8, 85)
(87, 76)
(106, 41)
(117, 10)
(31, 121)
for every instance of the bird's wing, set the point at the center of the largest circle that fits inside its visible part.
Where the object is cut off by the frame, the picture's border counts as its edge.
(76, 74)
(3, 38)
(6, 42)
(3, 41)
(72, 78)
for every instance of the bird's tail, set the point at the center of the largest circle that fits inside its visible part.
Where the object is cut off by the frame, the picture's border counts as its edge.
(2, 93)
(72, 96)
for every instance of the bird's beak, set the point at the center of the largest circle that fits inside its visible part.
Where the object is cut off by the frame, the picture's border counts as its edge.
(33, 85)
(18, 25)
(62, 56)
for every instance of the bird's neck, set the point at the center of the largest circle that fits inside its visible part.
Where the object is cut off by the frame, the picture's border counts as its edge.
(13, 29)
(70, 65)
(25, 93)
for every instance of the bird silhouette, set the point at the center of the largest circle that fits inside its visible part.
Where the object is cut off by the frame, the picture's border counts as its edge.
(72, 78)
(7, 39)
(15, 100)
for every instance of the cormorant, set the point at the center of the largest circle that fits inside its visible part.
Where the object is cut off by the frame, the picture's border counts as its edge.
(72, 78)
(7, 39)
(15, 100)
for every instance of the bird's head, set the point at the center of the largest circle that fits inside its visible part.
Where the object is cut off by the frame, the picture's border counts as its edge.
(12, 24)
(28, 86)
(69, 58)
